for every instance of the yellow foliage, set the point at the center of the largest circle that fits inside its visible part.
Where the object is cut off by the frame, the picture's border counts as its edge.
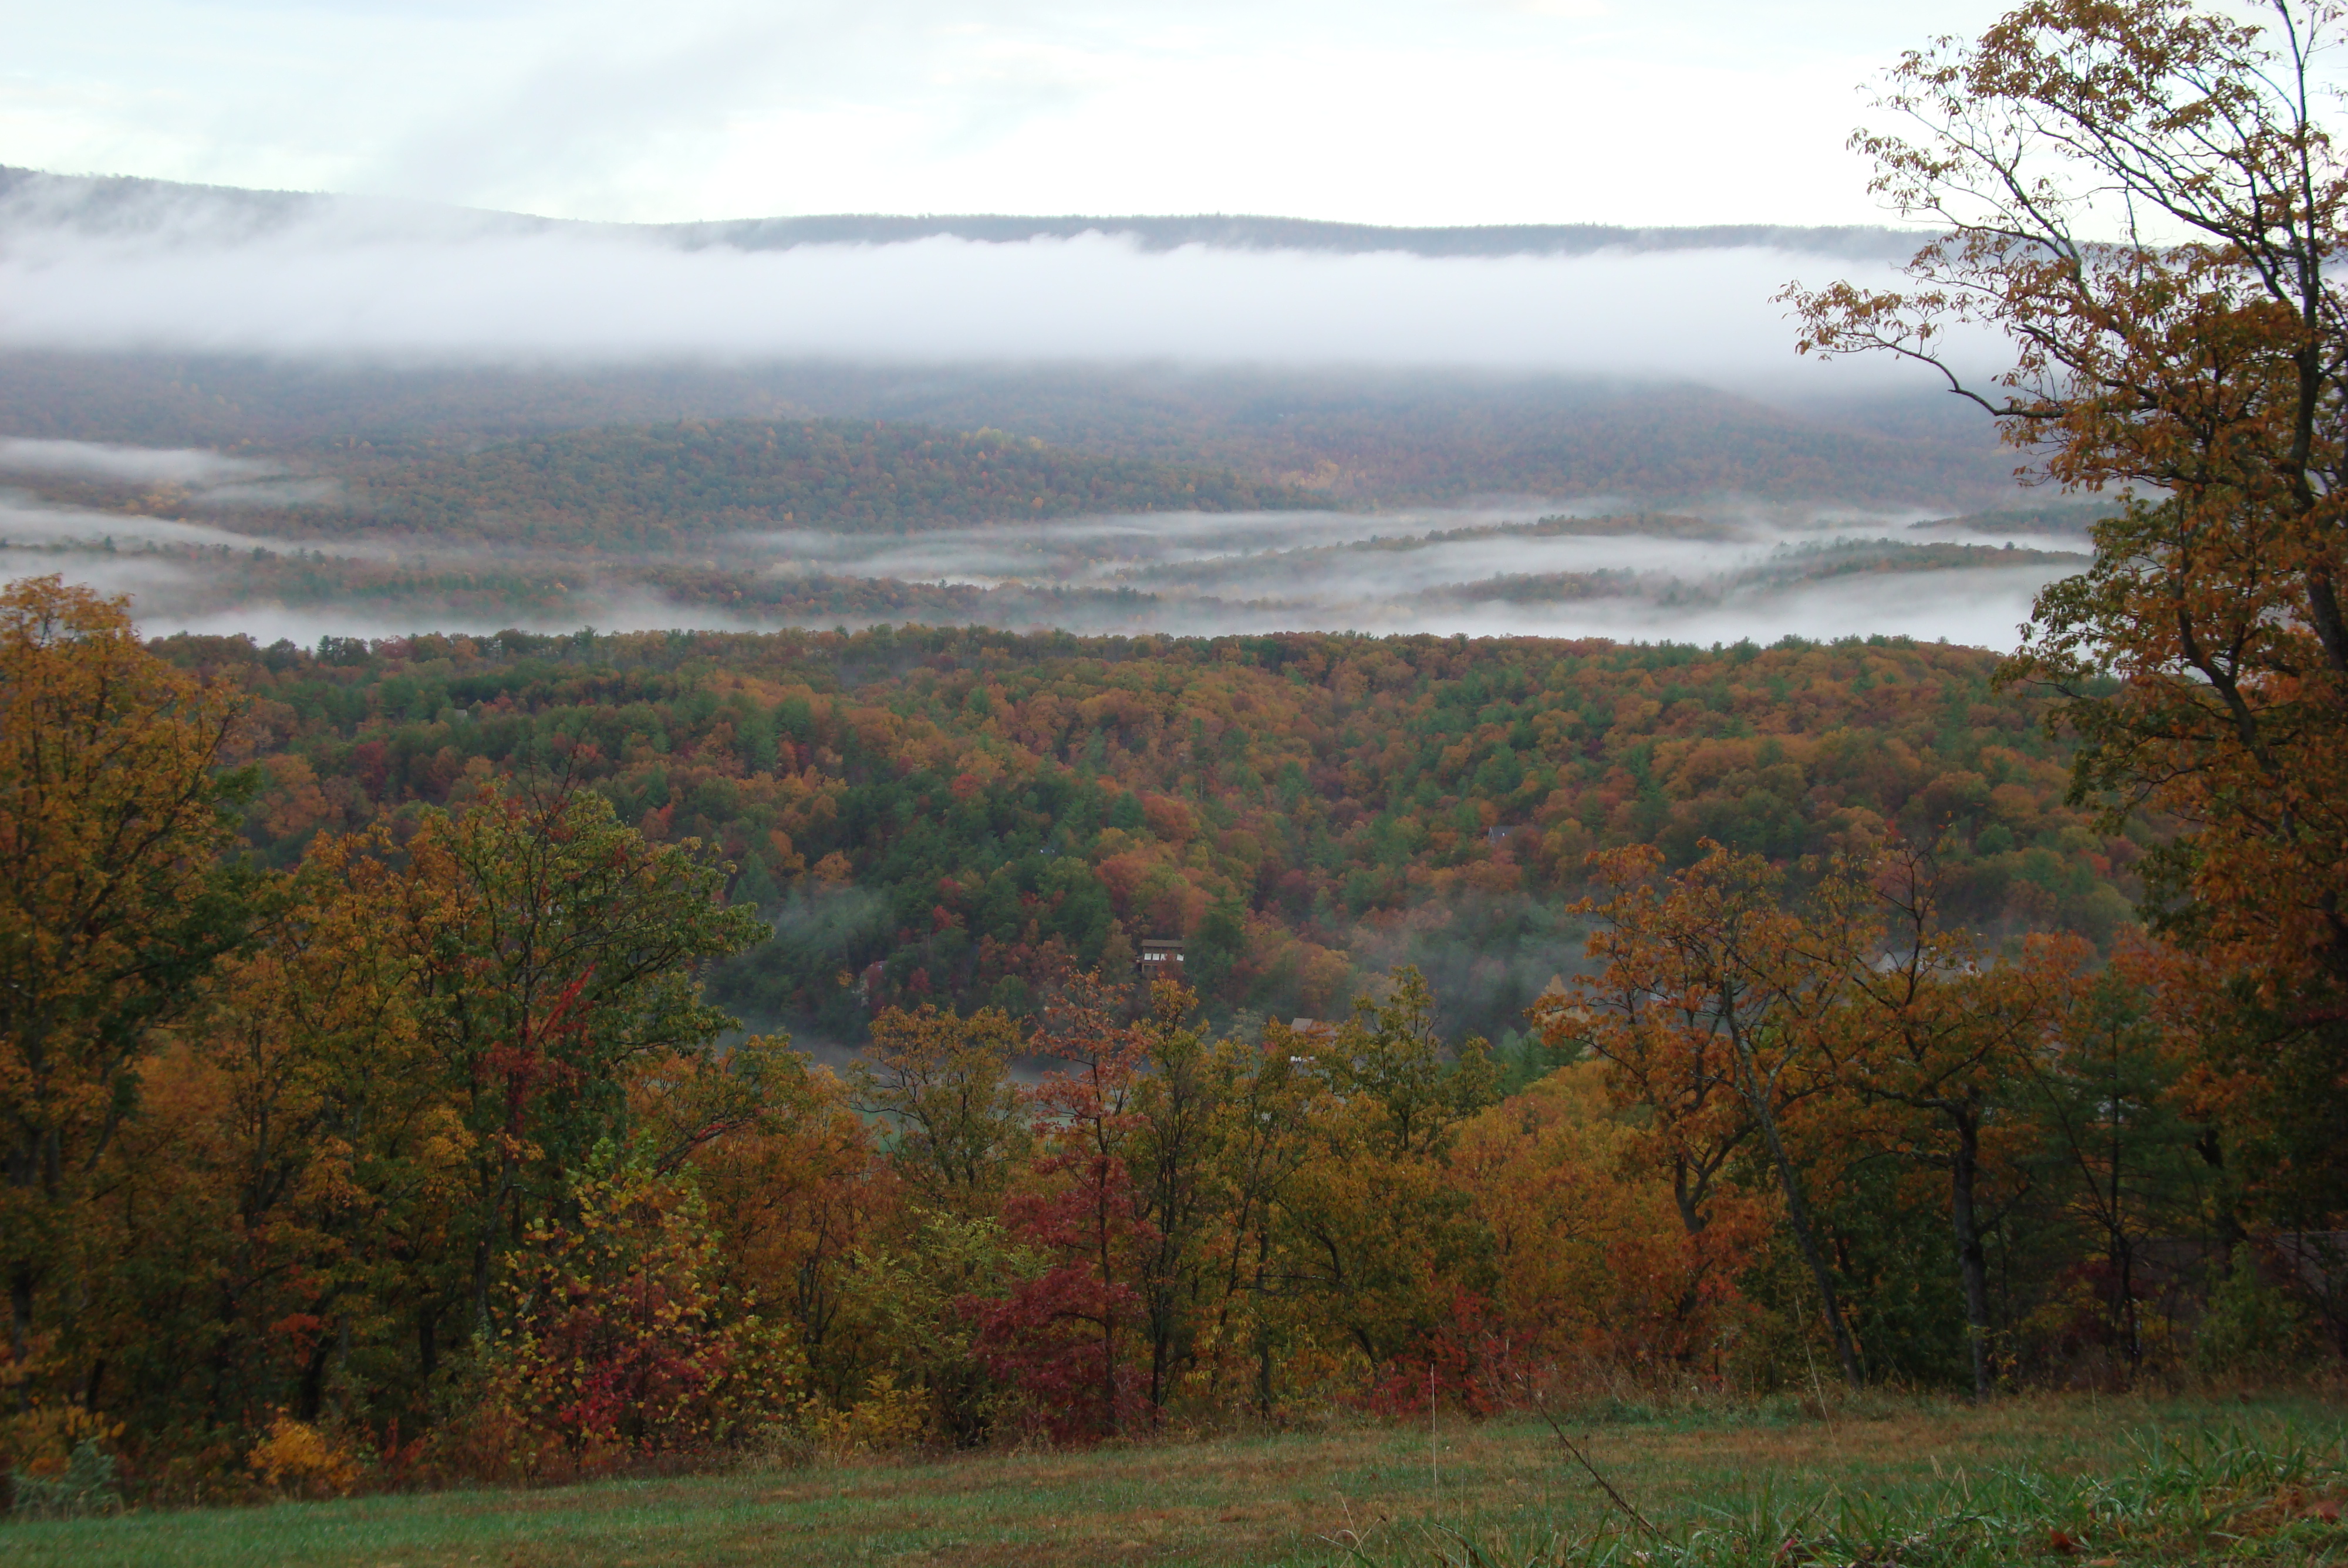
(41, 1439)
(886, 1419)
(298, 1458)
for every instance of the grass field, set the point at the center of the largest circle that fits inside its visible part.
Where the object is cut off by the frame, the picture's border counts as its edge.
(1906, 1482)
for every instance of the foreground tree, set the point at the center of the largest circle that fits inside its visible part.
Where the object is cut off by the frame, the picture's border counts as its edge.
(2139, 197)
(1710, 1009)
(114, 905)
(941, 1082)
(1936, 1028)
(553, 952)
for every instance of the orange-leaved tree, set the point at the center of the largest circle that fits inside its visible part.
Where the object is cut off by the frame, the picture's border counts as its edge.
(1710, 1009)
(2142, 197)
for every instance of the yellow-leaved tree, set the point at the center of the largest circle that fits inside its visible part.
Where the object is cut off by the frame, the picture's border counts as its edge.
(115, 904)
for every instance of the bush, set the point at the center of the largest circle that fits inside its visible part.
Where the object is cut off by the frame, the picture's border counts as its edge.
(299, 1459)
(620, 1343)
(2250, 1329)
(85, 1486)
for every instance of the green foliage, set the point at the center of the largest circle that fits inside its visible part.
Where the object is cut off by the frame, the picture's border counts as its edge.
(1390, 1054)
(557, 957)
(86, 1486)
(1330, 793)
(2250, 1328)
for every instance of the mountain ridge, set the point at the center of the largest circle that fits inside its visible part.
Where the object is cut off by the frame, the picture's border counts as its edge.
(117, 205)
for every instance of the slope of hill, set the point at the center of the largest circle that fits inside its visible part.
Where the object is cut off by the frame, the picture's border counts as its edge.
(648, 488)
(958, 811)
(1364, 437)
(635, 487)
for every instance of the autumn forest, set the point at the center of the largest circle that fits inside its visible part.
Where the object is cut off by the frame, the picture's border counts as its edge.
(1031, 985)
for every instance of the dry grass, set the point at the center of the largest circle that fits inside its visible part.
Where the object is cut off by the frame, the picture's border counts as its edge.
(1378, 1490)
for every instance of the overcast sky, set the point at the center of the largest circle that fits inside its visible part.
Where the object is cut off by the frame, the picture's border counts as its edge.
(1389, 111)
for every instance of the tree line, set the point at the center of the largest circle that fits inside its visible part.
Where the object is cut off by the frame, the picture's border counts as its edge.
(425, 1154)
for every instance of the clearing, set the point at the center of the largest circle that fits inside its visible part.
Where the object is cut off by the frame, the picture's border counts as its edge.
(2129, 1479)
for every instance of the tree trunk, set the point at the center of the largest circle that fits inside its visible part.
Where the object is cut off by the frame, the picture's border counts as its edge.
(20, 1315)
(1161, 1350)
(1965, 1171)
(1262, 1337)
(314, 1378)
(1797, 1213)
(1684, 1192)
(1109, 1373)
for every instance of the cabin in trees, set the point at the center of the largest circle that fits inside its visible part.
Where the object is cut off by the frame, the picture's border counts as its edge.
(1160, 955)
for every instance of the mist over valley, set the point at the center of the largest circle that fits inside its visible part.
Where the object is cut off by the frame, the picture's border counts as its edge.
(325, 416)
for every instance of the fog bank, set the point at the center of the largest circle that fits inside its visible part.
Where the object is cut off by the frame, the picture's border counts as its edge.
(1716, 574)
(441, 291)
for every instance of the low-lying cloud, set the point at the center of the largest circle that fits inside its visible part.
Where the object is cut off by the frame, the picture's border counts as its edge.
(130, 465)
(327, 286)
(27, 519)
(1732, 573)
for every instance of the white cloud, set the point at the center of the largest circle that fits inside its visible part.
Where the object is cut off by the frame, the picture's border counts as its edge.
(1212, 574)
(352, 281)
(131, 465)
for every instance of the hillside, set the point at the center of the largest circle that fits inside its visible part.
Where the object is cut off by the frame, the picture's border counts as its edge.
(962, 812)
(1365, 437)
(637, 488)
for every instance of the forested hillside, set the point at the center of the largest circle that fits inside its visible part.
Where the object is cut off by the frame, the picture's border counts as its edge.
(411, 1137)
(634, 488)
(962, 817)
(1362, 436)
(515, 1057)
(642, 488)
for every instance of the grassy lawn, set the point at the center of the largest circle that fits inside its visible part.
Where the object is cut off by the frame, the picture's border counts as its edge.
(1901, 1470)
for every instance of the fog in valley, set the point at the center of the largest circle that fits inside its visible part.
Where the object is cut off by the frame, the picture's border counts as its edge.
(233, 536)
(1595, 567)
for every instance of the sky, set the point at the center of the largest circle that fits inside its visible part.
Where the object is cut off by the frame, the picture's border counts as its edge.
(1382, 111)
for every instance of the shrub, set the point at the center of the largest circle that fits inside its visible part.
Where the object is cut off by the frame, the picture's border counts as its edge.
(2251, 1329)
(298, 1458)
(85, 1485)
(620, 1343)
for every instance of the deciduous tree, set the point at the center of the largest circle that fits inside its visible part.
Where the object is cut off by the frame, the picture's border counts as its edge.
(115, 903)
(2144, 199)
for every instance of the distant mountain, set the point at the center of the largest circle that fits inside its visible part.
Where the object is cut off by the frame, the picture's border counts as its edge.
(2075, 519)
(1360, 438)
(1363, 438)
(648, 486)
(110, 204)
